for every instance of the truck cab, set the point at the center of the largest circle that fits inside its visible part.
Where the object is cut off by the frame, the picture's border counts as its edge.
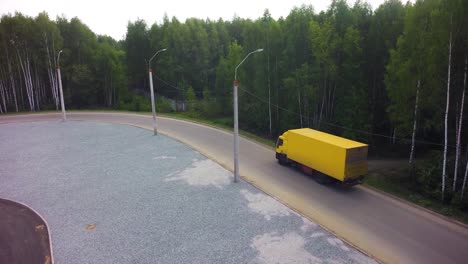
(281, 145)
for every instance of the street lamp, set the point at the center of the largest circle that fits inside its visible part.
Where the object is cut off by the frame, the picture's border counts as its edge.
(236, 120)
(150, 73)
(64, 115)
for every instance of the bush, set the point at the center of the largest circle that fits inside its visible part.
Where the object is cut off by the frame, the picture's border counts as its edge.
(136, 103)
(163, 105)
(429, 173)
(225, 121)
(210, 108)
(461, 203)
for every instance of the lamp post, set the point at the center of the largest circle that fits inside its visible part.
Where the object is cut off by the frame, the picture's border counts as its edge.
(153, 107)
(236, 120)
(64, 115)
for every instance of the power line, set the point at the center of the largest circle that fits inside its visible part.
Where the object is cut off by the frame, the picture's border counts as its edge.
(343, 127)
(320, 121)
(175, 87)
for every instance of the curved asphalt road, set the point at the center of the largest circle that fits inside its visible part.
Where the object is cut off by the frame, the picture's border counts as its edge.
(385, 228)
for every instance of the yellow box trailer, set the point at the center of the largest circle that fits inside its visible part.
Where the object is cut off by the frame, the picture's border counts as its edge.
(336, 159)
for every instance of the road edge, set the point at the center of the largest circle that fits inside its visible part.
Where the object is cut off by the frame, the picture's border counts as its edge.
(389, 196)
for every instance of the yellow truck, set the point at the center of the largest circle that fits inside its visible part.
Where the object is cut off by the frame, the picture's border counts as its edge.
(331, 159)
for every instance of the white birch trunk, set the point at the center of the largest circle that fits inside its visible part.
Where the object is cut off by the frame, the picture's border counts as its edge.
(321, 108)
(268, 72)
(52, 81)
(460, 122)
(54, 73)
(12, 80)
(37, 91)
(323, 98)
(277, 95)
(269, 103)
(413, 137)
(51, 74)
(2, 92)
(26, 83)
(20, 97)
(7, 94)
(464, 88)
(29, 80)
(464, 180)
(444, 165)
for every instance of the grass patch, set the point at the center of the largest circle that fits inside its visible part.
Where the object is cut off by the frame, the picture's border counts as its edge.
(396, 181)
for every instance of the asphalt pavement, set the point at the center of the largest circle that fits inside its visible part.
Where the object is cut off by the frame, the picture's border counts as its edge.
(117, 194)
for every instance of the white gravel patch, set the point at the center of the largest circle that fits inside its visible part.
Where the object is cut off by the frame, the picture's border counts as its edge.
(337, 243)
(317, 234)
(164, 157)
(289, 248)
(332, 261)
(307, 225)
(203, 173)
(265, 205)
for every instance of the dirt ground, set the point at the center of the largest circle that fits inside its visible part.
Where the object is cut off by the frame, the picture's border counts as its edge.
(23, 235)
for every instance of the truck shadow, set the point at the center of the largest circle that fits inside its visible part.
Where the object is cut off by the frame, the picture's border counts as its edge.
(332, 186)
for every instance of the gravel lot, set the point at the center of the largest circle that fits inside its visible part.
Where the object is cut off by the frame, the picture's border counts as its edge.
(117, 194)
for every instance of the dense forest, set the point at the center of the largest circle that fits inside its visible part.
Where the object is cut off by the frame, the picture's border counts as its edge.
(393, 77)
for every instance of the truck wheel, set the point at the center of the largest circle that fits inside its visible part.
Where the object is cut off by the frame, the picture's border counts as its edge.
(282, 160)
(323, 179)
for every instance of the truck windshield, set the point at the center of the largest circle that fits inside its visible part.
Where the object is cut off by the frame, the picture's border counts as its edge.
(279, 142)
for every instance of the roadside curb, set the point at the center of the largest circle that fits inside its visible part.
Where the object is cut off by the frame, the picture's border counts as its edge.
(416, 206)
(219, 128)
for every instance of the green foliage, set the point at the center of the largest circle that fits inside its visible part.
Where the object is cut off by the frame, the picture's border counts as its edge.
(209, 106)
(428, 174)
(398, 182)
(163, 105)
(137, 49)
(139, 103)
(136, 103)
(191, 99)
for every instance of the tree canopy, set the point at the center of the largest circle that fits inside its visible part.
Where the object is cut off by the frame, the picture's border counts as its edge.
(349, 70)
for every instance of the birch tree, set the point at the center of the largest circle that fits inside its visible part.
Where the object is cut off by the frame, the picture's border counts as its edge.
(413, 137)
(464, 88)
(460, 124)
(449, 67)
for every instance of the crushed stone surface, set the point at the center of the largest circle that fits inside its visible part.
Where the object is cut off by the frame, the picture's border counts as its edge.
(117, 194)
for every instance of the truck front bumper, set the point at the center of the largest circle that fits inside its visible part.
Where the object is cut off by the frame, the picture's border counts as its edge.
(278, 155)
(352, 182)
